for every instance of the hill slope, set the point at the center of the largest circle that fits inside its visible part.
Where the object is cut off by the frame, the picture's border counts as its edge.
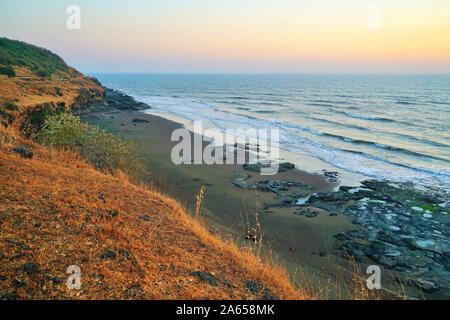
(128, 241)
(18, 53)
(35, 80)
(57, 211)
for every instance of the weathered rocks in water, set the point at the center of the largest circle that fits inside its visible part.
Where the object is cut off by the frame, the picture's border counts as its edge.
(391, 232)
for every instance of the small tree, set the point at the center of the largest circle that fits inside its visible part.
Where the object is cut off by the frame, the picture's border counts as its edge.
(42, 73)
(8, 70)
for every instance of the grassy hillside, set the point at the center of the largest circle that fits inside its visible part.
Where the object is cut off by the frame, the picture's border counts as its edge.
(39, 60)
(57, 210)
(130, 242)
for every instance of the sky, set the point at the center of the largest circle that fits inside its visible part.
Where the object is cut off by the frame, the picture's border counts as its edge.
(238, 36)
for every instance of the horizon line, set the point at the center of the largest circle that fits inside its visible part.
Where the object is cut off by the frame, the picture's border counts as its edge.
(272, 73)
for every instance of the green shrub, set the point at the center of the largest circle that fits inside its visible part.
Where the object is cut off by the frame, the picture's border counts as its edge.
(10, 106)
(40, 114)
(58, 91)
(43, 73)
(7, 118)
(8, 70)
(102, 149)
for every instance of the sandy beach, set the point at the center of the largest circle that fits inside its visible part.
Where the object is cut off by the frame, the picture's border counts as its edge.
(304, 244)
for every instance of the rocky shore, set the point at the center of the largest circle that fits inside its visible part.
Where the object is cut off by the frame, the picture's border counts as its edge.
(114, 100)
(399, 226)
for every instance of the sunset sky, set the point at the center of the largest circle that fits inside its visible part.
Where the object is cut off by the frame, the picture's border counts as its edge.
(237, 35)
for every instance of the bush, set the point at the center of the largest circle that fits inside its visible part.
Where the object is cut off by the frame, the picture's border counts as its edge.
(58, 91)
(42, 73)
(102, 149)
(40, 114)
(7, 117)
(10, 106)
(8, 70)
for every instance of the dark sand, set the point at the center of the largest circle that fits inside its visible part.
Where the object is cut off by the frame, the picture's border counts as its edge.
(294, 240)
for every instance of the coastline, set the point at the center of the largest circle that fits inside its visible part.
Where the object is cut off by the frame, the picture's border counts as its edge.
(317, 237)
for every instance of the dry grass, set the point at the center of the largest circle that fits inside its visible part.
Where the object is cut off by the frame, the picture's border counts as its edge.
(27, 90)
(130, 242)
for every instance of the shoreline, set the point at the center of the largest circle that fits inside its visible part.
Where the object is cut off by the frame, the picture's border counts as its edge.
(311, 236)
(308, 163)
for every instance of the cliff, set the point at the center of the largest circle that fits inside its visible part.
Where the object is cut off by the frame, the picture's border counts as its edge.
(56, 210)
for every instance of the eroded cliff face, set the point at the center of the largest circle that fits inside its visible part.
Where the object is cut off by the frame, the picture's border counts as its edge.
(29, 98)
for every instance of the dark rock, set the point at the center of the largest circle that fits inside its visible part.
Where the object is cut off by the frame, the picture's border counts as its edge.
(119, 100)
(134, 292)
(253, 287)
(311, 214)
(124, 253)
(54, 280)
(286, 166)
(341, 236)
(205, 277)
(332, 214)
(268, 295)
(113, 213)
(18, 284)
(145, 218)
(30, 267)
(107, 254)
(137, 120)
(426, 285)
(23, 152)
(10, 296)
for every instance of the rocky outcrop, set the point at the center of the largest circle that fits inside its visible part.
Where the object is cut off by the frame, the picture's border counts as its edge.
(398, 227)
(121, 101)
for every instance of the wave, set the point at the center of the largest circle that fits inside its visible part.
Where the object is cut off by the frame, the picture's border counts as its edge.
(367, 155)
(356, 116)
(384, 146)
(407, 103)
(239, 98)
(380, 157)
(329, 101)
(326, 105)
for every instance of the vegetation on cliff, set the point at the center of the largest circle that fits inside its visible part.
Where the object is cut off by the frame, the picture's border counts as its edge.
(41, 61)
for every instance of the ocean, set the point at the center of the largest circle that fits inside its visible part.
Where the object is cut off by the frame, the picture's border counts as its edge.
(393, 127)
